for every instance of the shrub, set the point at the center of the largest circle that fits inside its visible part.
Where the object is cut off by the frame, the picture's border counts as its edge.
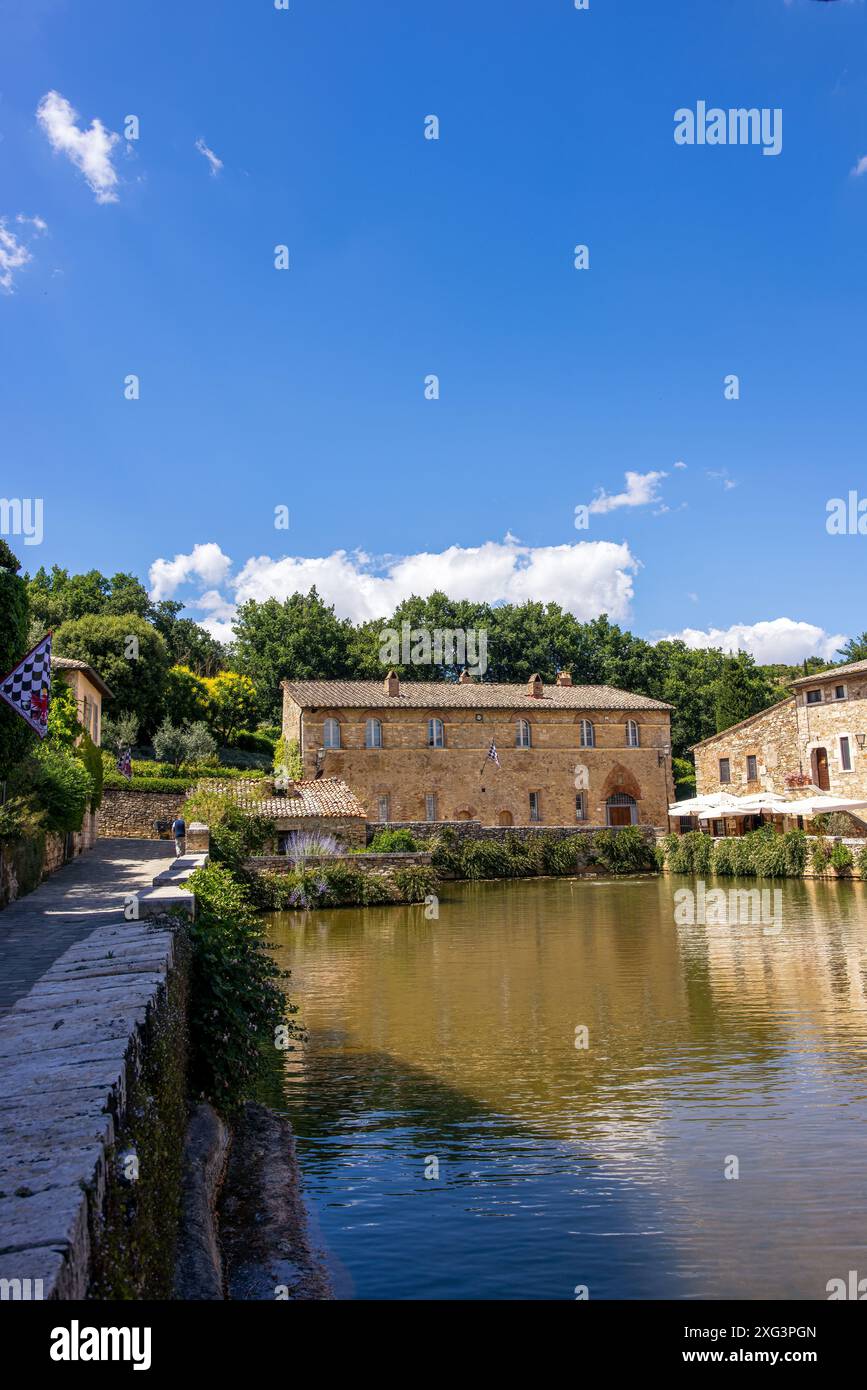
(629, 850)
(176, 745)
(795, 846)
(732, 858)
(236, 1001)
(820, 857)
(256, 742)
(395, 842)
(446, 852)
(415, 882)
(486, 859)
(690, 854)
(119, 733)
(861, 862)
(302, 845)
(60, 784)
(841, 859)
(91, 756)
(560, 856)
(287, 758)
(114, 780)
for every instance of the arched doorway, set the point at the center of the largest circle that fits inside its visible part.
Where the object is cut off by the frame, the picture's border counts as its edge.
(463, 815)
(621, 809)
(505, 818)
(821, 775)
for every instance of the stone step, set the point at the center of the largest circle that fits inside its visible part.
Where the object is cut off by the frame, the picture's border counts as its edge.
(166, 898)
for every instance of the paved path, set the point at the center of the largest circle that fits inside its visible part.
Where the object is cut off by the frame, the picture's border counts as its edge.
(68, 906)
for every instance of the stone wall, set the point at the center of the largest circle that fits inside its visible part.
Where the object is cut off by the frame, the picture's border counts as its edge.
(349, 830)
(467, 786)
(130, 814)
(24, 863)
(94, 1066)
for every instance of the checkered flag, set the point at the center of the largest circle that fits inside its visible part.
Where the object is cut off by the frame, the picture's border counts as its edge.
(124, 763)
(27, 687)
(493, 756)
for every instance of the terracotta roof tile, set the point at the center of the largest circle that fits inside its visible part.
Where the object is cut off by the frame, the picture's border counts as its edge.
(340, 694)
(855, 668)
(324, 796)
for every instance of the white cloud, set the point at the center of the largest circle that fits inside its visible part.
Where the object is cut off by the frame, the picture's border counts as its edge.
(89, 150)
(37, 223)
(13, 256)
(206, 563)
(641, 488)
(860, 168)
(680, 464)
(587, 578)
(215, 163)
(779, 640)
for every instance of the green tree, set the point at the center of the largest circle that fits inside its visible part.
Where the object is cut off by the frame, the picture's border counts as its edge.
(185, 696)
(188, 644)
(130, 656)
(855, 649)
(742, 689)
(300, 638)
(231, 704)
(16, 737)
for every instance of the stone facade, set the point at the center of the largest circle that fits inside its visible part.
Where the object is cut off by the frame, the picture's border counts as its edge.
(130, 814)
(812, 735)
(563, 782)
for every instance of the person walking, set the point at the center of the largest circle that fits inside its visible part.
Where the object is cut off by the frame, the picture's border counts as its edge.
(179, 830)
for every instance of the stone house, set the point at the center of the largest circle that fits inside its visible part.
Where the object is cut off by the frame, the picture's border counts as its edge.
(419, 751)
(324, 805)
(89, 690)
(815, 740)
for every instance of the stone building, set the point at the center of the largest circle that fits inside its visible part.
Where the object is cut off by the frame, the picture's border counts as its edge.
(89, 689)
(322, 806)
(815, 740)
(419, 751)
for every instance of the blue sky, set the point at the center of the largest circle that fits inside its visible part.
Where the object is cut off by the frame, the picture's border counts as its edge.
(409, 257)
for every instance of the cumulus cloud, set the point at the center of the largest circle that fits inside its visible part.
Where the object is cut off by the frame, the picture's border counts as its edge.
(641, 488)
(89, 150)
(205, 563)
(587, 578)
(13, 256)
(860, 168)
(778, 640)
(215, 163)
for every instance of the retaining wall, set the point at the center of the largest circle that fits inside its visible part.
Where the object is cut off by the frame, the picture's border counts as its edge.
(130, 814)
(93, 1115)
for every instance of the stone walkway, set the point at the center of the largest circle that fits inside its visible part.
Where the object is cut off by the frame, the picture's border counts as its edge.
(88, 893)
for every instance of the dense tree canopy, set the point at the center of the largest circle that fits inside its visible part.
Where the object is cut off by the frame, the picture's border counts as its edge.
(302, 637)
(130, 656)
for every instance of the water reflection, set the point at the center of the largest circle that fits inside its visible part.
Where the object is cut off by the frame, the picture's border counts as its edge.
(455, 1039)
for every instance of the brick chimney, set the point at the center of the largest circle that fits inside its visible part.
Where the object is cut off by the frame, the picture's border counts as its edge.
(534, 687)
(564, 678)
(392, 684)
(465, 678)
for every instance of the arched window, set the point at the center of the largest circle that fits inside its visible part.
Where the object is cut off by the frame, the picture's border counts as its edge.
(523, 734)
(435, 734)
(331, 733)
(632, 737)
(587, 734)
(373, 733)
